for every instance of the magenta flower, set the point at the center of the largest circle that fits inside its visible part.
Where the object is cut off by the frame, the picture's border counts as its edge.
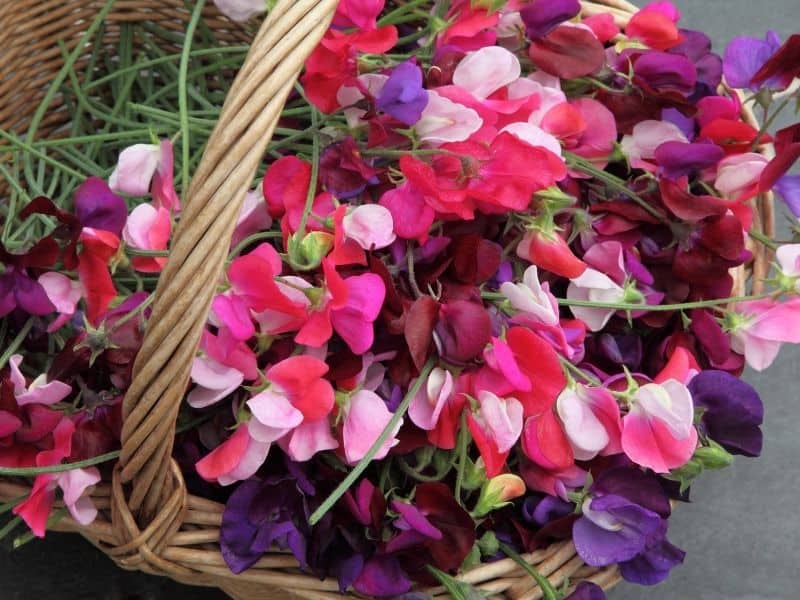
(98, 207)
(541, 18)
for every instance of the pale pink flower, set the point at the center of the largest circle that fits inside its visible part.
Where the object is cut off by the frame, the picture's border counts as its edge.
(591, 420)
(40, 391)
(532, 298)
(241, 10)
(307, 439)
(640, 146)
(788, 257)
(761, 326)
(487, 70)
(431, 398)
(64, 293)
(370, 225)
(135, 168)
(594, 286)
(365, 418)
(213, 381)
(253, 217)
(445, 121)
(738, 175)
(658, 431)
(74, 484)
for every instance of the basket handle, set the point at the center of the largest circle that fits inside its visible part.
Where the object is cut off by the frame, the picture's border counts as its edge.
(145, 480)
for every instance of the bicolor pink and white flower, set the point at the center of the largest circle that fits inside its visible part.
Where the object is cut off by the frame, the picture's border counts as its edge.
(444, 120)
(738, 175)
(144, 168)
(483, 72)
(532, 298)
(594, 286)
(369, 225)
(39, 391)
(495, 427)
(591, 420)
(640, 146)
(427, 404)
(658, 431)
(213, 381)
(148, 228)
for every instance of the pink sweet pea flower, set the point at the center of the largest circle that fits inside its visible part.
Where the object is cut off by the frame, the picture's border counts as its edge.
(253, 217)
(144, 167)
(412, 217)
(761, 326)
(658, 431)
(241, 10)
(738, 175)
(532, 298)
(594, 286)
(148, 228)
(545, 442)
(640, 146)
(64, 293)
(40, 391)
(365, 417)
(35, 509)
(213, 382)
(487, 70)
(135, 168)
(534, 135)
(235, 459)
(496, 428)
(445, 121)
(370, 225)
(591, 420)
(295, 405)
(427, 405)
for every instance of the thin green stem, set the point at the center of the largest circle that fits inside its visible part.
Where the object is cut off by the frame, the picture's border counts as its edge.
(393, 423)
(548, 591)
(312, 186)
(183, 101)
(768, 121)
(461, 450)
(26, 147)
(16, 342)
(34, 471)
(256, 237)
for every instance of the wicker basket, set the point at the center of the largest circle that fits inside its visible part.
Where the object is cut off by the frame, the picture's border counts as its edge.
(147, 520)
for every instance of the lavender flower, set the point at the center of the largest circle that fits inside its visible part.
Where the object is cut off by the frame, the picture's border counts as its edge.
(403, 96)
(744, 56)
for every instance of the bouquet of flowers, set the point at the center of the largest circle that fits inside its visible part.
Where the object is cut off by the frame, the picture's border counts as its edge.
(488, 292)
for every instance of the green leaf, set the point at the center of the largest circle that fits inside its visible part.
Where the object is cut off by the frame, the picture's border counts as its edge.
(459, 590)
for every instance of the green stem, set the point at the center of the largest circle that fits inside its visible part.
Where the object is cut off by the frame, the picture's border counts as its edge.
(766, 240)
(581, 164)
(397, 417)
(25, 146)
(579, 372)
(548, 591)
(312, 186)
(463, 442)
(768, 121)
(16, 342)
(261, 235)
(33, 471)
(183, 102)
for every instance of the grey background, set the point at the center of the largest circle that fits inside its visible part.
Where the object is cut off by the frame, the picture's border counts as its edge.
(741, 534)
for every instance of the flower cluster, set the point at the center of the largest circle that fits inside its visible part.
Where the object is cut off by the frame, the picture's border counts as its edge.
(491, 278)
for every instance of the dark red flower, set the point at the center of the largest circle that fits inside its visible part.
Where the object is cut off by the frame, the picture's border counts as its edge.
(568, 52)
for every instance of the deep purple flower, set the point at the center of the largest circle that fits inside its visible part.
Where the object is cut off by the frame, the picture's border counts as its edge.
(382, 576)
(624, 521)
(788, 188)
(586, 590)
(542, 511)
(654, 564)
(744, 56)
(403, 96)
(541, 18)
(663, 73)
(343, 171)
(262, 513)
(619, 349)
(696, 46)
(679, 159)
(98, 207)
(733, 411)
(17, 290)
(415, 528)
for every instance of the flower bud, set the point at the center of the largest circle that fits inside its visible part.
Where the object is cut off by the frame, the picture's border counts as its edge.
(497, 492)
(713, 456)
(307, 254)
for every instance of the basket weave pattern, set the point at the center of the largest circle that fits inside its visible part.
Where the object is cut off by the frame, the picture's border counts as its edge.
(147, 520)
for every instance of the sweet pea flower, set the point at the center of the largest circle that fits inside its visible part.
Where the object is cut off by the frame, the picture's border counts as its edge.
(487, 70)
(496, 428)
(444, 121)
(591, 420)
(594, 286)
(788, 188)
(534, 135)
(64, 293)
(148, 228)
(640, 146)
(427, 404)
(213, 382)
(241, 10)
(745, 56)
(403, 96)
(235, 459)
(624, 522)
(656, 26)
(532, 298)
(40, 391)
(658, 431)
(349, 95)
(788, 257)
(759, 327)
(253, 217)
(143, 168)
(294, 407)
(540, 18)
(365, 418)
(738, 175)
(370, 225)
(550, 251)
